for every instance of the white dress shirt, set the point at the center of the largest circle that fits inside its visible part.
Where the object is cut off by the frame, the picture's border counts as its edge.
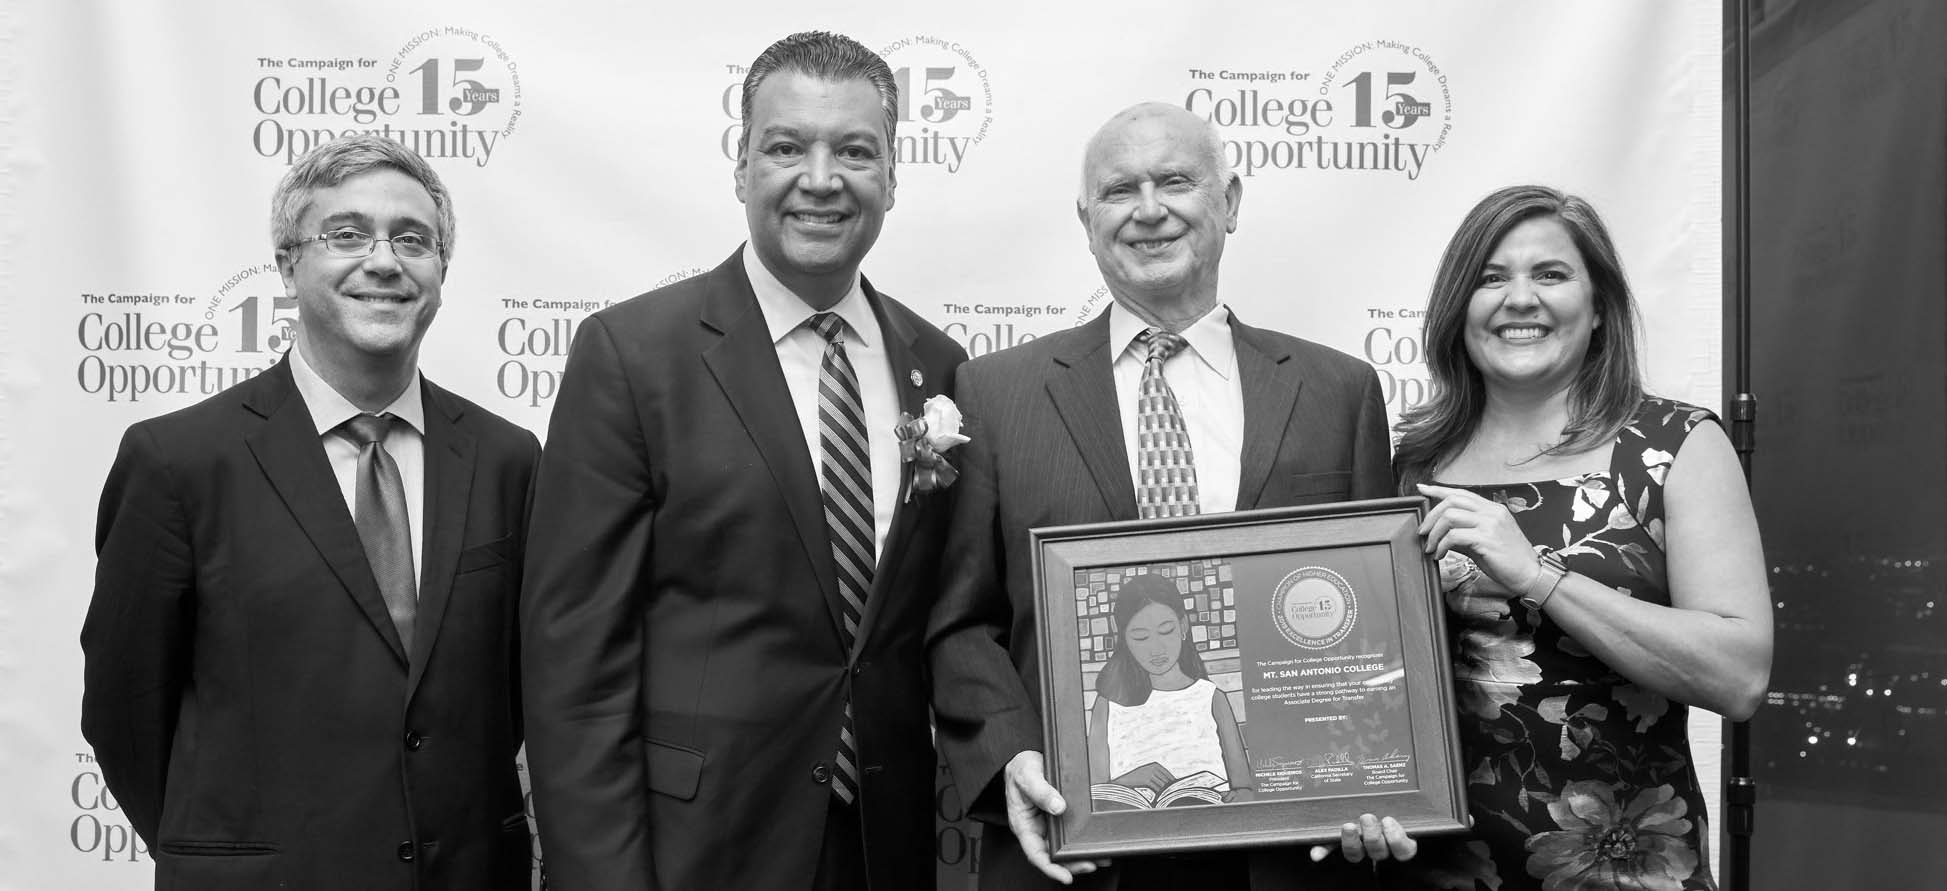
(406, 443)
(1203, 375)
(801, 352)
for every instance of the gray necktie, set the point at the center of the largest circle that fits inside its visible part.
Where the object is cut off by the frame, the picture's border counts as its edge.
(379, 510)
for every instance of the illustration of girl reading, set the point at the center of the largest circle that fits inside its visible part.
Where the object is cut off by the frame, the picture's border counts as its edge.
(1161, 734)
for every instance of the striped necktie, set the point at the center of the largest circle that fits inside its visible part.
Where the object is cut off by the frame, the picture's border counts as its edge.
(1166, 469)
(845, 473)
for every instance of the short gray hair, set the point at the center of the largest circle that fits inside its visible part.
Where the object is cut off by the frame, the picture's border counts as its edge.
(341, 159)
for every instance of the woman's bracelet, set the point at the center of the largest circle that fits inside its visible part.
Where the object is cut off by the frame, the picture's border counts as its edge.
(1549, 563)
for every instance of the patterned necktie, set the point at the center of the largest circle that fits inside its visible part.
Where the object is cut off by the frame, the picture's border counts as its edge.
(1166, 470)
(379, 511)
(845, 472)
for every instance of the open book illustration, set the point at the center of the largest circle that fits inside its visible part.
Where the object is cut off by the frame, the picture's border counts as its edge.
(1200, 788)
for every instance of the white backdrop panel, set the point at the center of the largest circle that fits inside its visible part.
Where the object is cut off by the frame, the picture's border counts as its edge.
(587, 146)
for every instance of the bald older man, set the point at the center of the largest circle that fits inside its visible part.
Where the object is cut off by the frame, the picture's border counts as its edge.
(1272, 421)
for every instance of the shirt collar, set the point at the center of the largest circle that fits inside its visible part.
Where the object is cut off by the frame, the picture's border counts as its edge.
(785, 312)
(329, 409)
(1208, 337)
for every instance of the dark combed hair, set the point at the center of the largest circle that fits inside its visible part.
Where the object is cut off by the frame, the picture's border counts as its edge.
(827, 56)
(1606, 390)
(1123, 680)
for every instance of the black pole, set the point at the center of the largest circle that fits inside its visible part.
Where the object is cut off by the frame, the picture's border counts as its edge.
(1740, 790)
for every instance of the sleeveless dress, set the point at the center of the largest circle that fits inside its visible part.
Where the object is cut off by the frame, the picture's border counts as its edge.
(1576, 778)
(1173, 728)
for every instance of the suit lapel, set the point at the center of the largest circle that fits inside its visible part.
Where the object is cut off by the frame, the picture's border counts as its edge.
(292, 457)
(1083, 390)
(449, 453)
(744, 363)
(904, 364)
(1271, 386)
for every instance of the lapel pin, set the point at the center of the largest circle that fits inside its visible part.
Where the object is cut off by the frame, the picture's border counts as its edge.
(918, 379)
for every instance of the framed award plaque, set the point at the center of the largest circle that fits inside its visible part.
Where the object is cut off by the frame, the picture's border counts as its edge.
(1247, 678)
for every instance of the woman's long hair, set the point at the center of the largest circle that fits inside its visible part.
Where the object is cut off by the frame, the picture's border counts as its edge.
(1607, 389)
(1124, 680)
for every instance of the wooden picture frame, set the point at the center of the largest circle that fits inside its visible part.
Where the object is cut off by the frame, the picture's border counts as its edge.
(1321, 630)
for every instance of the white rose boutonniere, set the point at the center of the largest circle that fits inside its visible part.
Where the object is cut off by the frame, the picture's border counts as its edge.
(923, 442)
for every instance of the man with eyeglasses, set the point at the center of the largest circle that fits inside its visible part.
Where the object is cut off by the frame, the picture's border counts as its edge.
(300, 655)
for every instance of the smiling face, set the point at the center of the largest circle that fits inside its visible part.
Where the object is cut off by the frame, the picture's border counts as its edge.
(357, 311)
(1154, 636)
(1157, 207)
(816, 180)
(1533, 310)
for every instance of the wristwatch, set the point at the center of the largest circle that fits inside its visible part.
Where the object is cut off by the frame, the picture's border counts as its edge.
(1550, 563)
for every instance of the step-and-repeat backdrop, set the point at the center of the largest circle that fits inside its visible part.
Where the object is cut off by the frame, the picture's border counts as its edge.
(589, 148)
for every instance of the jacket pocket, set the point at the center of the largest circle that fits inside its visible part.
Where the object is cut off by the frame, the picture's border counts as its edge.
(674, 770)
(182, 848)
(1321, 488)
(216, 866)
(498, 552)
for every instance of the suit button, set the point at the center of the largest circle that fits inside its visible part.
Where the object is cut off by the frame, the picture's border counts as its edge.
(405, 851)
(859, 669)
(820, 773)
(414, 741)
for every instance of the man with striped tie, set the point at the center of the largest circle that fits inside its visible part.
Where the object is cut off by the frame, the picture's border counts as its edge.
(1164, 405)
(728, 582)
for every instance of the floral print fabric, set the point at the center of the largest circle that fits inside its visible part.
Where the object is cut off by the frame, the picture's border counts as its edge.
(1577, 779)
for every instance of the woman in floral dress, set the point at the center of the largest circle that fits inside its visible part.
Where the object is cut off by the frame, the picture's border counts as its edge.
(1600, 558)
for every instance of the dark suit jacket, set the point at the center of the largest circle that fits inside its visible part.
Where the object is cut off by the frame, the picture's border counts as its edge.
(247, 695)
(684, 669)
(1047, 450)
